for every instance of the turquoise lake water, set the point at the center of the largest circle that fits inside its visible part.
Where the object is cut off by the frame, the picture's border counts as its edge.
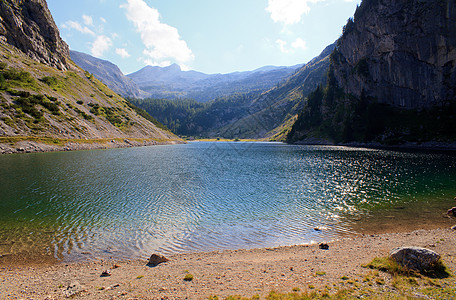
(203, 196)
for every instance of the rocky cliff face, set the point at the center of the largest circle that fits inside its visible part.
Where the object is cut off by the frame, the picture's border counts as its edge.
(391, 80)
(400, 52)
(28, 25)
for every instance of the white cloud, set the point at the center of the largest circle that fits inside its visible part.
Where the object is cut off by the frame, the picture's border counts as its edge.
(87, 20)
(299, 43)
(103, 20)
(154, 63)
(122, 52)
(163, 42)
(77, 26)
(101, 45)
(282, 46)
(289, 11)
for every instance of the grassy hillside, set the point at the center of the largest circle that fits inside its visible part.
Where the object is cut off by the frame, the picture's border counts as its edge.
(45, 103)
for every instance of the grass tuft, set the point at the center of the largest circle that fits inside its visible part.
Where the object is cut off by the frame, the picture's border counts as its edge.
(188, 277)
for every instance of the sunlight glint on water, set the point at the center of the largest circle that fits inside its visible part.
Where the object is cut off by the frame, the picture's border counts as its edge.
(128, 203)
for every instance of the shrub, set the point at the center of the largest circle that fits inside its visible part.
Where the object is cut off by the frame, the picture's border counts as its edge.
(188, 277)
(50, 81)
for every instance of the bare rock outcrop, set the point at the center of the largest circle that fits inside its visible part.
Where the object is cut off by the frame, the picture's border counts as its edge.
(399, 52)
(28, 25)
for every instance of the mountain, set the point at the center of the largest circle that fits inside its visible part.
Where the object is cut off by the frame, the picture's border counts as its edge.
(47, 102)
(257, 114)
(268, 114)
(171, 82)
(28, 26)
(108, 73)
(392, 78)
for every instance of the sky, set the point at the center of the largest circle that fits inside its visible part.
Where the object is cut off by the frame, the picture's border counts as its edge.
(210, 36)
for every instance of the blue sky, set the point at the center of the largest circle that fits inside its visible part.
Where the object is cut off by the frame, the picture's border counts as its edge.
(210, 36)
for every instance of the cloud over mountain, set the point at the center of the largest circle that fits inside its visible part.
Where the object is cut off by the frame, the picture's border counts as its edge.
(162, 41)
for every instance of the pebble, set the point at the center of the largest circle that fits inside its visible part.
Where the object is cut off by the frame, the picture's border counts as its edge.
(323, 246)
(106, 273)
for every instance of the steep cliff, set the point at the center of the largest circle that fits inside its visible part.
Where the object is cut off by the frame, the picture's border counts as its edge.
(28, 25)
(391, 79)
(400, 52)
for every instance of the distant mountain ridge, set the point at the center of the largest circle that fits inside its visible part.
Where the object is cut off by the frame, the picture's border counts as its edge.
(171, 82)
(265, 114)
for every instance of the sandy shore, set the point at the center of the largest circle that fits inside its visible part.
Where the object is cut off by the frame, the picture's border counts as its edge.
(236, 272)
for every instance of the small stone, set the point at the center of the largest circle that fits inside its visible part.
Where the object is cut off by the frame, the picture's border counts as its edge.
(156, 259)
(323, 246)
(317, 229)
(415, 258)
(116, 266)
(452, 211)
(73, 289)
(454, 227)
(106, 273)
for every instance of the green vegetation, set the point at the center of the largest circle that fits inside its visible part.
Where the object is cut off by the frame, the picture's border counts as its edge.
(188, 277)
(191, 118)
(386, 264)
(51, 81)
(146, 116)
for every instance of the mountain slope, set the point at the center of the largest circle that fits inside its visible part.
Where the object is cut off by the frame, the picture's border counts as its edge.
(392, 77)
(42, 103)
(243, 115)
(108, 73)
(266, 115)
(171, 82)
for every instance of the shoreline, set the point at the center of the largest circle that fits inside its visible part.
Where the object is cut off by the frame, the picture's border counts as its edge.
(223, 273)
(426, 146)
(18, 145)
(59, 145)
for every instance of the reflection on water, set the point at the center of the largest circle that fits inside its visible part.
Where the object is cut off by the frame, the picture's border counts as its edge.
(127, 203)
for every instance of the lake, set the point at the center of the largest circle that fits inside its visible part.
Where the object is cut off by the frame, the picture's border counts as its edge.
(204, 196)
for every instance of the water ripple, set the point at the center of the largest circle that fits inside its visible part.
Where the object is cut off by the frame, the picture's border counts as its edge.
(128, 203)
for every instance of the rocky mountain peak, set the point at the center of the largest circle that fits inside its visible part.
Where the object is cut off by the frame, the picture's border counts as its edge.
(28, 25)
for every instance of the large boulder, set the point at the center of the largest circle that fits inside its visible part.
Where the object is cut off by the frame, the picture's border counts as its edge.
(415, 258)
